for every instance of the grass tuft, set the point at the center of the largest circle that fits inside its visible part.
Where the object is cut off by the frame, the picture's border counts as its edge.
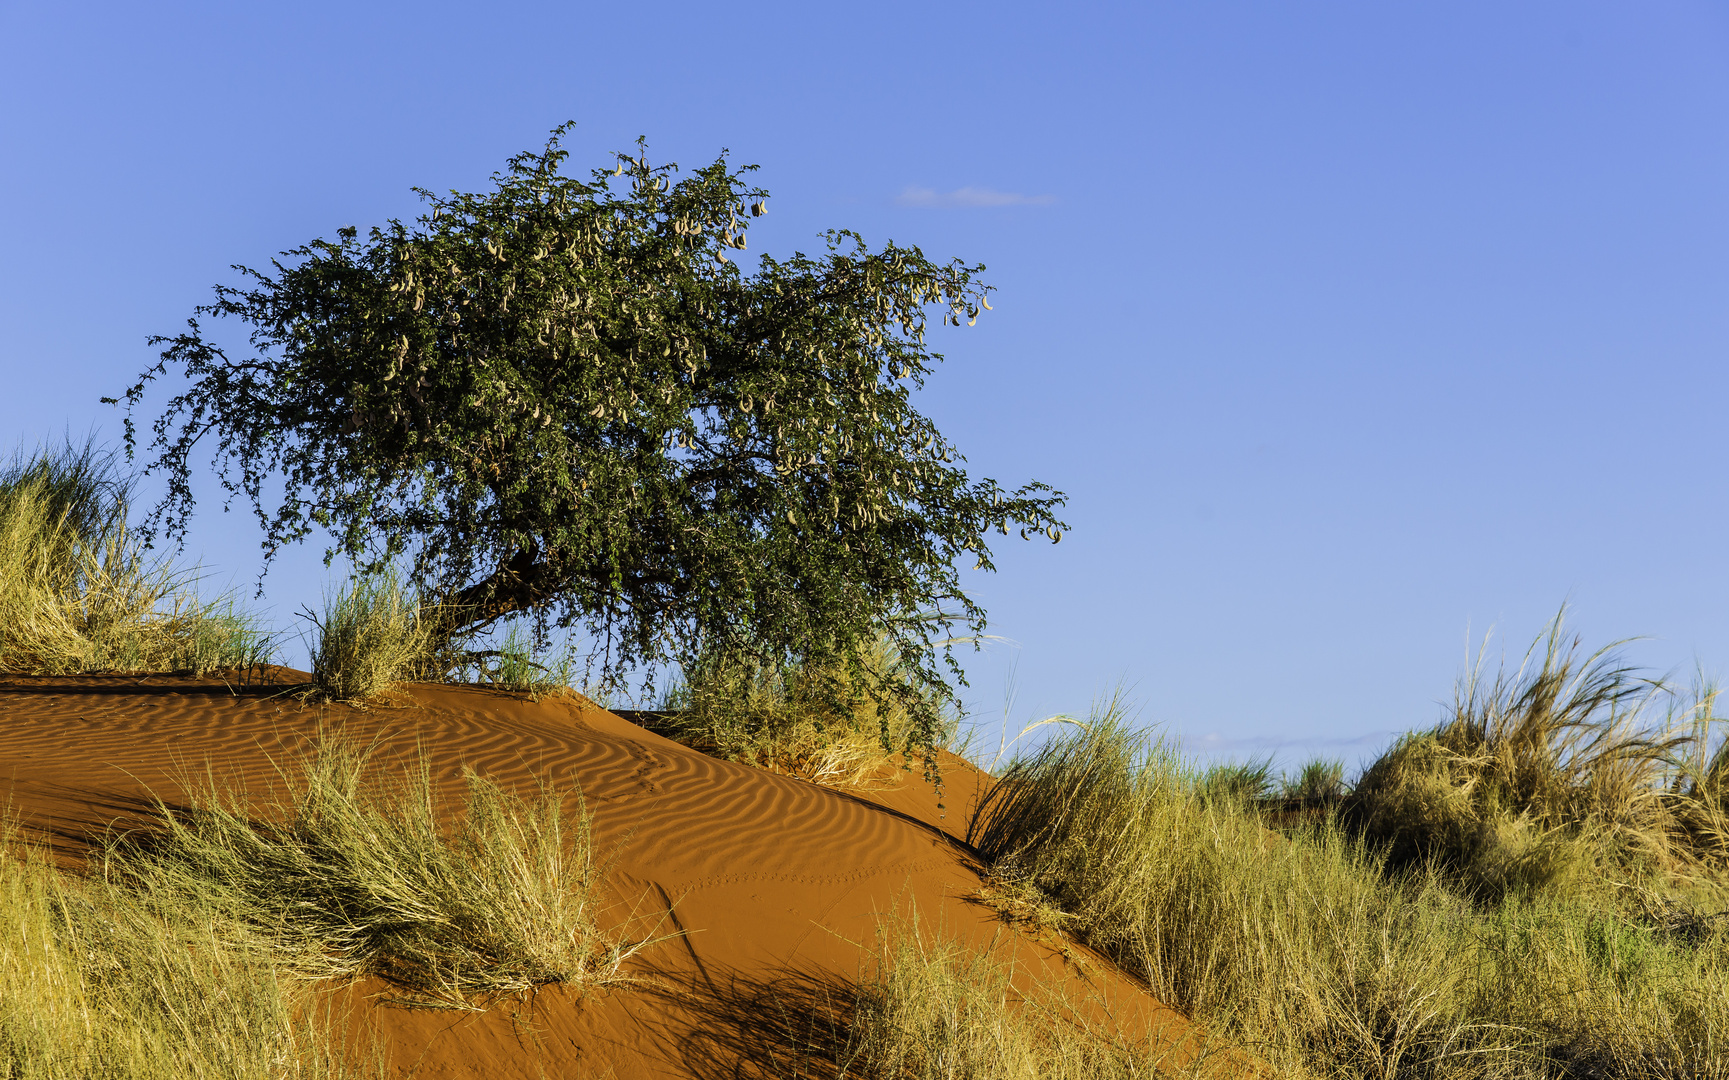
(1311, 951)
(80, 591)
(374, 633)
(1538, 780)
(98, 981)
(345, 880)
(829, 726)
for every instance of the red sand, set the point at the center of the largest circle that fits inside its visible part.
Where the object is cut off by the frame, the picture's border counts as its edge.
(777, 884)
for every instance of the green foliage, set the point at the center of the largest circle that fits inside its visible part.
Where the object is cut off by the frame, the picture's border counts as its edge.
(561, 397)
(80, 593)
(352, 878)
(1244, 781)
(1319, 781)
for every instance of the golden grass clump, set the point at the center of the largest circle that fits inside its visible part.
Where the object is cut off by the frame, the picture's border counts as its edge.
(1307, 950)
(1542, 779)
(927, 1005)
(832, 726)
(347, 880)
(374, 633)
(80, 592)
(100, 981)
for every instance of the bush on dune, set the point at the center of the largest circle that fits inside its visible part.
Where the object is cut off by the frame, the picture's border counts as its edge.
(99, 980)
(1537, 778)
(373, 635)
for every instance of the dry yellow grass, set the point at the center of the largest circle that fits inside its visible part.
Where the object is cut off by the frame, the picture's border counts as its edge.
(80, 592)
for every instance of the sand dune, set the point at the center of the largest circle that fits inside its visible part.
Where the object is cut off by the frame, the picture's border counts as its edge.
(776, 886)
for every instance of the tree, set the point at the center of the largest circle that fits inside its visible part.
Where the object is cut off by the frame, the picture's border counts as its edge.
(562, 399)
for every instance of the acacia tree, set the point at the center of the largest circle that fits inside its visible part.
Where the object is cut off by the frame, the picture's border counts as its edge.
(562, 399)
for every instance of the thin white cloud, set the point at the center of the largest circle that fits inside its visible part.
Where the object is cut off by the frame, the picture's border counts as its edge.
(967, 198)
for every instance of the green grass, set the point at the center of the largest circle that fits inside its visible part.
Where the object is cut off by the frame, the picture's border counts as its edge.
(80, 591)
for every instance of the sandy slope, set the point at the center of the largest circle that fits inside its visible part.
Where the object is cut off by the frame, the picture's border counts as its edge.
(777, 884)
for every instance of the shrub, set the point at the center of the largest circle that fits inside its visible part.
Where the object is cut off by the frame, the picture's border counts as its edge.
(98, 981)
(1321, 781)
(1246, 781)
(373, 634)
(1536, 777)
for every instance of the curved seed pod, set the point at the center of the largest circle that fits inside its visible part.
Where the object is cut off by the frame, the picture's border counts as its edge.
(986, 303)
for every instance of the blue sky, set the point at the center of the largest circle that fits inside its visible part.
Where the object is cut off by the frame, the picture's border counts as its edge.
(1350, 329)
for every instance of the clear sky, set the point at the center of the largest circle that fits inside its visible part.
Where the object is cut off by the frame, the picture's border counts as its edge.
(1349, 328)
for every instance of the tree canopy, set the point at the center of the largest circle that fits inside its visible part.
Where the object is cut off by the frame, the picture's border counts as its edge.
(561, 398)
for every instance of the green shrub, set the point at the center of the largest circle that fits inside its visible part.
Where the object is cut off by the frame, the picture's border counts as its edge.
(1321, 781)
(1244, 781)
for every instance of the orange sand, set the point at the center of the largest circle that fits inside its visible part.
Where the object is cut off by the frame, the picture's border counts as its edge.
(777, 884)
